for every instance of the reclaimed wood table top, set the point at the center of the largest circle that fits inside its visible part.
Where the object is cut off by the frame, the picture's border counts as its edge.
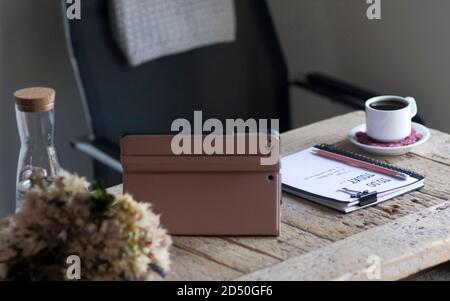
(393, 240)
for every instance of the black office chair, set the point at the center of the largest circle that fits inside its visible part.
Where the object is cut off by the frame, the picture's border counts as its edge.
(244, 79)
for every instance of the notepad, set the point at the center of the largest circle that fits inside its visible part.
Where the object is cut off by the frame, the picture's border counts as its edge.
(331, 183)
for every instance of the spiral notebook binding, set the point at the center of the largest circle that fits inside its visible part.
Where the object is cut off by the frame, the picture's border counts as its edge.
(334, 149)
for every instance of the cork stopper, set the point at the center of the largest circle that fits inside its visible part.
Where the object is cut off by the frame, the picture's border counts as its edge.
(36, 99)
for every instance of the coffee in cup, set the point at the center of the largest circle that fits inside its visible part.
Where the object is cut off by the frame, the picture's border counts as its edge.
(388, 118)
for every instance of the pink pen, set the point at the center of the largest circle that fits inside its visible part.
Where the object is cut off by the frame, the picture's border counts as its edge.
(360, 164)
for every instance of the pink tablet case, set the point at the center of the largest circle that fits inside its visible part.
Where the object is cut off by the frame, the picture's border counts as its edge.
(203, 194)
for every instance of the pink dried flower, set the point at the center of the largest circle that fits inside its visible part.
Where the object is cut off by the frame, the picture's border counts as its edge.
(115, 237)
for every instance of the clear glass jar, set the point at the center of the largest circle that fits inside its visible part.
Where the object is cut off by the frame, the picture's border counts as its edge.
(35, 122)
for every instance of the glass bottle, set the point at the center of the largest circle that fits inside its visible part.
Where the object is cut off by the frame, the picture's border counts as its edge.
(35, 122)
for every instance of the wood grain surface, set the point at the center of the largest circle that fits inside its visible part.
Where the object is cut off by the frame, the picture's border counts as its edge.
(406, 235)
(409, 233)
(314, 239)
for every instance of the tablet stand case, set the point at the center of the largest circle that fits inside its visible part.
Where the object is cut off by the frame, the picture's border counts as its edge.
(203, 194)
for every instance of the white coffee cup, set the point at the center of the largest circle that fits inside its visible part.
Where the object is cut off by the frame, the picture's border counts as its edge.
(388, 118)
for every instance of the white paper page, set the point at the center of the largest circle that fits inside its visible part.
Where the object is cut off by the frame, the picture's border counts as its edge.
(323, 177)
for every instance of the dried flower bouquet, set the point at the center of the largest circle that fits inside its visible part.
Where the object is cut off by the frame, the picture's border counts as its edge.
(115, 237)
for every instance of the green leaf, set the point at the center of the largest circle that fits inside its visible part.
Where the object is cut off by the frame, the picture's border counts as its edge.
(102, 201)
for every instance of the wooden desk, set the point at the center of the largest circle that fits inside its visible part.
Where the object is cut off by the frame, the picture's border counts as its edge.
(402, 237)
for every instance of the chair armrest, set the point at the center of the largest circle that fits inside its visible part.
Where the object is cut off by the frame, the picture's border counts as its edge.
(100, 151)
(333, 89)
(337, 90)
(341, 86)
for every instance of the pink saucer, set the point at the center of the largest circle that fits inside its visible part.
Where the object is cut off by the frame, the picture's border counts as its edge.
(414, 137)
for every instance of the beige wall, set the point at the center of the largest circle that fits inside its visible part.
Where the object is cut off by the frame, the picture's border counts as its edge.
(32, 52)
(407, 52)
